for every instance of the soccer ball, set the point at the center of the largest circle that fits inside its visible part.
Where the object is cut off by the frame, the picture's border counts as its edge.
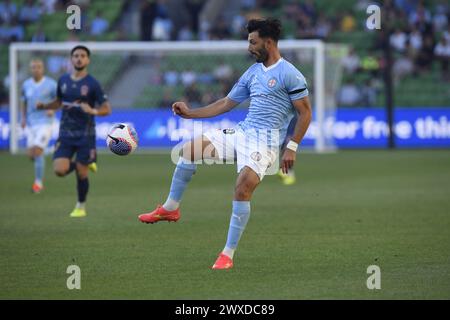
(122, 139)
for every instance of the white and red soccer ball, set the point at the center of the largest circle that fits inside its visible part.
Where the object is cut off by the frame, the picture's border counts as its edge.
(122, 139)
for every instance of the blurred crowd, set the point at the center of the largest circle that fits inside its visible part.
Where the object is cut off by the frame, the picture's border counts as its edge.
(14, 19)
(420, 36)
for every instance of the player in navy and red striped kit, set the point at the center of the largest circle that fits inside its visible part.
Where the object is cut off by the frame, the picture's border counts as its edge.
(82, 98)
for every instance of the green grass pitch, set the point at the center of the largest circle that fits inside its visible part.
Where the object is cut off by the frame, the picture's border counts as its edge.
(314, 240)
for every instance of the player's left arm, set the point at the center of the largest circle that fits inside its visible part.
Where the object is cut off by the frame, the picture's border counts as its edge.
(303, 108)
(103, 110)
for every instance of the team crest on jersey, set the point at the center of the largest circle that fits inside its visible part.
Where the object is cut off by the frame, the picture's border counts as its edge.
(272, 82)
(64, 88)
(84, 90)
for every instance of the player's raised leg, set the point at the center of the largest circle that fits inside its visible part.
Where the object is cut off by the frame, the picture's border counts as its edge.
(246, 184)
(185, 169)
(63, 166)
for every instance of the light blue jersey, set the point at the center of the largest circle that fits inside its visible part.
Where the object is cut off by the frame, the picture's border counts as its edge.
(33, 92)
(271, 91)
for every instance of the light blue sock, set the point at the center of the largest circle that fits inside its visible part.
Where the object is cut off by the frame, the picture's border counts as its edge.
(39, 166)
(239, 219)
(181, 177)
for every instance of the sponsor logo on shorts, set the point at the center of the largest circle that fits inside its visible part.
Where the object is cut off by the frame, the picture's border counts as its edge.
(228, 131)
(256, 156)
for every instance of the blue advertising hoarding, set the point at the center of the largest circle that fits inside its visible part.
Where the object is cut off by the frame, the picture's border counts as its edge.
(350, 128)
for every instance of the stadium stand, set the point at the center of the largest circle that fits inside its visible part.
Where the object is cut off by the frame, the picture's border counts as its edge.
(421, 27)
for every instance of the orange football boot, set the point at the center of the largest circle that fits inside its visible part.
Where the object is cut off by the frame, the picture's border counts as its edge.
(37, 188)
(223, 262)
(160, 214)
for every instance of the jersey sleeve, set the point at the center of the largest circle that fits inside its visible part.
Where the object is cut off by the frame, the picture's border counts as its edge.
(240, 91)
(296, 85)
(100, 96)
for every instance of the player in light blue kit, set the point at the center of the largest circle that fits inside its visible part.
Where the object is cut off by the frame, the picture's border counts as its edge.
(38, 88)
(277, 90)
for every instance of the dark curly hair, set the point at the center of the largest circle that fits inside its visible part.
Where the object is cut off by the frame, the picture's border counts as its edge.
(267, 28)
(88, 52)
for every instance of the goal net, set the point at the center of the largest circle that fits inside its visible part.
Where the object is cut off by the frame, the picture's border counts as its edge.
(143, 79)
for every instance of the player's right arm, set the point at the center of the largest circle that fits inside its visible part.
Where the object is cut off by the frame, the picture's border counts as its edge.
(55, 104)
(220, 106)
(238, 93)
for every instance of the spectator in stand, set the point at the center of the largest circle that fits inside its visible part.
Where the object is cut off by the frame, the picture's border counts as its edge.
(348, 22)
(420, 15)
(351, 62)
(99, 25)
(39, 35)
(188, 77)
(349, 94)
(238, 23)
(403, 65)
(8, 11)
(220, 30)
(425, 56)
(29, 12)
(162, 25)
(406, 6)
(369, 91)
(171, 78)
(398, 40)
(48, 6)
(194, 7)
(185, 33)
(415, 39)
(12, 31)
(442, 53)
(147, 18)
(322, 28)
(440, 18)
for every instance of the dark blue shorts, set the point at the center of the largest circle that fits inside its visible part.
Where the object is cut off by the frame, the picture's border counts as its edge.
(84, 148)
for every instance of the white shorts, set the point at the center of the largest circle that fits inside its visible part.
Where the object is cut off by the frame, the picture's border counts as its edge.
(234, 144)
(39, 136)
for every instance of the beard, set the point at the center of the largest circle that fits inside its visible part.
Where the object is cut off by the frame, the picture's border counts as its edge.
(262, 56)
(79, 68)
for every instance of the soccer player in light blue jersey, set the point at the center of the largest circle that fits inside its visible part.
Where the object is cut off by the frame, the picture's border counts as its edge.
(38, 88)
(277, 90)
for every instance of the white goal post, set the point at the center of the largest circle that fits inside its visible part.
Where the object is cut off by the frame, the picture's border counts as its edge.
(317, 49)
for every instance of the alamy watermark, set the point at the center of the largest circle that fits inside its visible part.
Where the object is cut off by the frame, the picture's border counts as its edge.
(374, 20)
(73, 21)
(374, 280)
(74, 280)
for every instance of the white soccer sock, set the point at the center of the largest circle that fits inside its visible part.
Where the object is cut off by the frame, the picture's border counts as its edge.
(171, 205)
(80, 205)
(228, 252)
